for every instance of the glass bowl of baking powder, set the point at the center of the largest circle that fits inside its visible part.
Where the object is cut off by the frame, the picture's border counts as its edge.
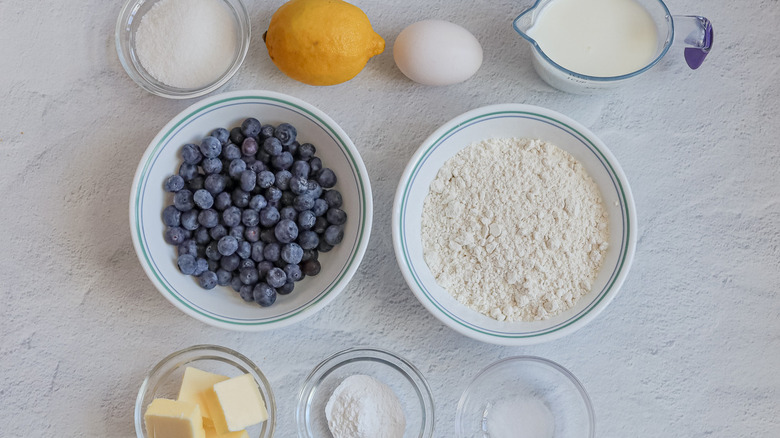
(381, 368)
(181, 49)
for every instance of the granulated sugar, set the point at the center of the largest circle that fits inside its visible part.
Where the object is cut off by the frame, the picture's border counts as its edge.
(186, 43)
(515, 229)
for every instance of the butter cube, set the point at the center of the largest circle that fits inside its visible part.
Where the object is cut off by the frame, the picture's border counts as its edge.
(211, 433)
(173, 419)
(236, 404)
(193, 387)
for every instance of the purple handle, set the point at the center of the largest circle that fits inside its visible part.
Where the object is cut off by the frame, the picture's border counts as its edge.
(698, 36)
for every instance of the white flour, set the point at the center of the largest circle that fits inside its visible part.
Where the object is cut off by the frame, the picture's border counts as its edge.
(186, 43)
(520, 418)
(363, 407)
(514, 229)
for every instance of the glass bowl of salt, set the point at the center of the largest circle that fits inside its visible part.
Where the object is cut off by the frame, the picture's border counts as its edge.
(365, 392)
(182, 49)
(525, 397)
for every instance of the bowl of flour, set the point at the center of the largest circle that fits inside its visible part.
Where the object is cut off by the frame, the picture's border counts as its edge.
(514, 224)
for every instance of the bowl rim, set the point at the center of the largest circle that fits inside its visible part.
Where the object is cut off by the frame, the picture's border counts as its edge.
(355, 161)
(357, 354)
(205, 348)
(129, 10)
(534, 359)
(548, 116)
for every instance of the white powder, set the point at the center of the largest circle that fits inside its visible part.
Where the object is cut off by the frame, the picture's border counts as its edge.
(186, 43)
(520, 418)
(363, 407)
(514, 229)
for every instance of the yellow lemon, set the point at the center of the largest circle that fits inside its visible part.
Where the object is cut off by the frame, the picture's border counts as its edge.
(321, 42)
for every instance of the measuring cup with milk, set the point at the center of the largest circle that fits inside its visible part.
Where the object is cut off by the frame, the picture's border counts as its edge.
(582, 46)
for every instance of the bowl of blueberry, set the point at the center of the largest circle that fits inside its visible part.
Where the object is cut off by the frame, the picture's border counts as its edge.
(250, 210)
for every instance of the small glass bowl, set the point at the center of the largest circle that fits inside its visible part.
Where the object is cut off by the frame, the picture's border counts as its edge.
(164, 381)
(538, 385)
(126, 26)
(401, 376)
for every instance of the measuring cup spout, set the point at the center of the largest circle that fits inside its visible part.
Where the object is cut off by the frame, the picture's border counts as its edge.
(696, 34)
(525, 21)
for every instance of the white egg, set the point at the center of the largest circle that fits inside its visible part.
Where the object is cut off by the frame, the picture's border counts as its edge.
(436, 52)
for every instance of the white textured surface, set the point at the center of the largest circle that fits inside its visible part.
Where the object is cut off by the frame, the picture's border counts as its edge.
(690, 348)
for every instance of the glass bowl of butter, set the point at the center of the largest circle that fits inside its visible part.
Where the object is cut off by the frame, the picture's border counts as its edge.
(205, 390)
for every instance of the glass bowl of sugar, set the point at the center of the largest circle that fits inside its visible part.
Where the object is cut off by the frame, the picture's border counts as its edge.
(369, 390)
(181, 49)
(525, 397)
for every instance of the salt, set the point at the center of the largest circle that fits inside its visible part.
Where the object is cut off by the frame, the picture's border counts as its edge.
(520, 418)
(187, 43)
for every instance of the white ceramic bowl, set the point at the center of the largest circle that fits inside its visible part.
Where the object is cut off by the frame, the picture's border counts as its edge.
(524, 121)
(222, 307)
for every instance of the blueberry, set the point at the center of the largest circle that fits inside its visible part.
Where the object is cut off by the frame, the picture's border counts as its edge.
(227, 245)
(221, 134)
(324, 246)
(223, 277)
(272, 194)
(277, 204)
(246, 264)
(191, 154)
(236, 135)
(302, 203)
(292, 253)
(263, 267)
(308, 239)
(275, 277)
(306, 151)
(230, 262)
(263, 157)
(213, 265)
(188, 171)
(189, 220)
(257, 166)
(236, 167)
(237, 232)
(282, 179)
(293, 272)
(265, 179)
(333, 235)
(202, 236)
(210, 147)
(231, 216)
(203, 266)
(249, 275)
(249, 146)
(245, 291)
(257, 202)
(250, 217)
(326, 178)
(218, 232)
(316, 164)
(298, 185)
(175, 235)
(171, 216)
(286, 133)
(300, 169)
(271, 252)
(203, 199)
(320, 225)
(208, 280)
(282, 161)
(336, 216)
(250, 127)
(209, 218)
(287, 199)
(215, 183)
(249, 159)
(286, 231)
(257, 251)
(313, 189)
(286, 288)
(188, 247)
(333, 198)
(272, 146)
(320, 207)
(236, 284)
(231, 152)
(174, 183)
(288, 213)
(240, 198)
(252, 234)
(267, 236)
(269, 216)
(212, 251)
(244, 249)
(264, 295)
(248, 180)
(187, 264)
(310, 254)
(311, 267)
(211, 165)
(195, 183)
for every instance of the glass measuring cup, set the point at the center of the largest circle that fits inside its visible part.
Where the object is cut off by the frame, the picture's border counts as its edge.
(693, 31)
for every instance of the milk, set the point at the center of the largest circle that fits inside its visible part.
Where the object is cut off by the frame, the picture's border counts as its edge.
(596, 37)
